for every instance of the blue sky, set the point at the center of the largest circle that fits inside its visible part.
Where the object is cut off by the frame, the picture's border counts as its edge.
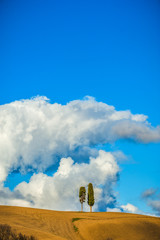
(110, 50)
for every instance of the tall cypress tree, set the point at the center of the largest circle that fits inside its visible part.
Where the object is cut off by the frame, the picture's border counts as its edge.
(90, 196)
(82, 196)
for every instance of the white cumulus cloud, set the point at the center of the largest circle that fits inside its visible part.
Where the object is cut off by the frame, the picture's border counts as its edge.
(35, 134)
(61, 190)
(128, 208)
(113, 210)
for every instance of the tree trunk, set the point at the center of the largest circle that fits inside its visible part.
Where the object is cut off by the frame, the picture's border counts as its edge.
(81, 207)
(90, 208)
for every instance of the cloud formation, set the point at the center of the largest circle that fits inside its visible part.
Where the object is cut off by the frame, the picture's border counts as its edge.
(152, 197)
(155, 205)
(60, 191)
(35, 134)
(149, 193)
(128, 208)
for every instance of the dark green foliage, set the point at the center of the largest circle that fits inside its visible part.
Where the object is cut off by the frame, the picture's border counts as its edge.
(90, 195)
(75, 219)
(75, 228)
(82, 194)
(6, 233)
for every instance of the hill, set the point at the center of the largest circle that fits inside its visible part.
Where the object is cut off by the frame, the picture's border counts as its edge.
(47, 224)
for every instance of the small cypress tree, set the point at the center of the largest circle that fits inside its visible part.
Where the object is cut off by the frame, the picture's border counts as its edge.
(90, 196)
(82, 196)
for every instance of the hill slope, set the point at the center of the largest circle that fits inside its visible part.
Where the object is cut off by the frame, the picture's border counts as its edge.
(46, 224)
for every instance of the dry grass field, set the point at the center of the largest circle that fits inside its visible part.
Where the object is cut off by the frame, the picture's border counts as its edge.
(46, 224)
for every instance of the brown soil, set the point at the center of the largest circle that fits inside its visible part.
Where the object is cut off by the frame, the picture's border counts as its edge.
(47, 224)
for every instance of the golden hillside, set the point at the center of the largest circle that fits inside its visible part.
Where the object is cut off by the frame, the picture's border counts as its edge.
(46, 224)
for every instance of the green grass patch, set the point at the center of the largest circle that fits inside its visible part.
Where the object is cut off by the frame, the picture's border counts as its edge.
(75, 219)
(75, 228)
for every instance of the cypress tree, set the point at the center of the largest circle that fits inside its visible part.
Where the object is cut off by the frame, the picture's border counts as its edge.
(90, 196)
(82, 196)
